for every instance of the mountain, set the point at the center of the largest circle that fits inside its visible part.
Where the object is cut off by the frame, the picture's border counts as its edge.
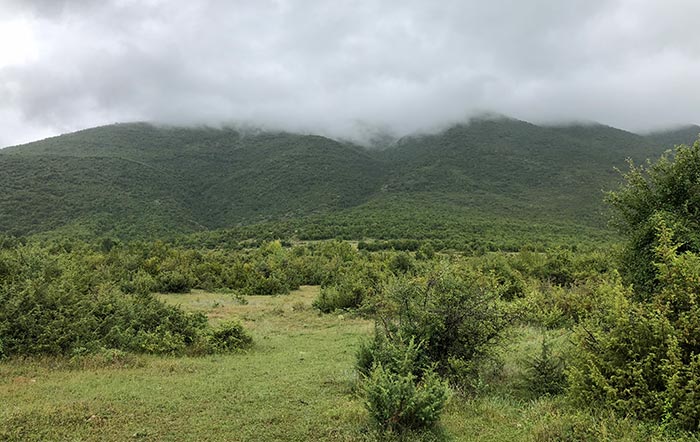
(176, 179)
(673, 137)
(561, 171)
(144, 181)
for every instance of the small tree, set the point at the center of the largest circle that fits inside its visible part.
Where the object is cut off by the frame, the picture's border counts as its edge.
(455, 317)
(545, 374)
(668, 189)
(642, 356)
(399, 401)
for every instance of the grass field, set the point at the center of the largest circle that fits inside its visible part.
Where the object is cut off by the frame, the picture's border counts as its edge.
(295, 384)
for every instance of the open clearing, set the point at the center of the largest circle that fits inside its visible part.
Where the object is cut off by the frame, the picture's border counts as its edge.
(297, 383)
(294, 384)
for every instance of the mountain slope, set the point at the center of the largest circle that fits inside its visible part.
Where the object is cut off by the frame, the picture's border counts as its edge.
(551, 171)
(673, 137)
(45, 193)
(210, 178)
(144, 181)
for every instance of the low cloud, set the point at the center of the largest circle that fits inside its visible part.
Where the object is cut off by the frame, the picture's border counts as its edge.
(342, 68)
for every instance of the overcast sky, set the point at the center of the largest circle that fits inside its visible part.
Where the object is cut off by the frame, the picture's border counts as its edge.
(343, 67)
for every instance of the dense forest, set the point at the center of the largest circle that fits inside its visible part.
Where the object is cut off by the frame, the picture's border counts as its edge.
(497, 280)
(139, 181)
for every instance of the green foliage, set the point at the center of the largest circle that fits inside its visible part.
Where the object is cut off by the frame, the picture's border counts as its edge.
(445, 323)
(341, 296)
(401, 389)
(398, 401)
(401, 263)
(352, 284)
(229, 336)
(665, 191)
(394, 244)
(65, 297)
(637, 367)
(432, 219)
(641, 355)
(563, 423)
(453, 314)
(545, 374)
(399, 354)
(425, 252)
(549, 278)
(173, 282)
(484, 186)
(139, 181)
(553, 306)
(72, 303)
(626, 363)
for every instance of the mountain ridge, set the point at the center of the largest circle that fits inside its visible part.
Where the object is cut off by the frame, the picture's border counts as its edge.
(143, 181)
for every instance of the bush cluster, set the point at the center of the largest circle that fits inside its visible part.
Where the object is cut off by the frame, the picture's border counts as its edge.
(642, 355)
(429, 329)
(352, 284)
(66, 304)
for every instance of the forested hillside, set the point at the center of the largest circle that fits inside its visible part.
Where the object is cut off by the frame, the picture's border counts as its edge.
(170, 180)
(514, 167)
(143, 181)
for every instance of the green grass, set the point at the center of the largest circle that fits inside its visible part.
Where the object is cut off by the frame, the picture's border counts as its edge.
(295, 384)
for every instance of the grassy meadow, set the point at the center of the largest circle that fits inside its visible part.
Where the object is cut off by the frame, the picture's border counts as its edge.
(296, 383)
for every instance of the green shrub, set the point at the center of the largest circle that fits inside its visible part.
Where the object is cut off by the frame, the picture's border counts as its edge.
(554, 306)
(400, 401)
(143, 283)
(426, 252)
(622, 363)
(265, 283)
(401, 262)
(511, 280)
(641, 356)
(667, 190)
(350, 287)
(159, 341)
(338, 297)
(455, 316)
(73, 304)
(545, 373)
(398, 354)
(229, 336)
(173, 281)
(402, 391)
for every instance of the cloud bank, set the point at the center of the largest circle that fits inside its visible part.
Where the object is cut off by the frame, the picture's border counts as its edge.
(340, 67)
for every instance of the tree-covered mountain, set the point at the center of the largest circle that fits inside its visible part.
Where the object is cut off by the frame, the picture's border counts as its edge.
(144, 181)
(178, 179)
(673, 137)
(559, 172)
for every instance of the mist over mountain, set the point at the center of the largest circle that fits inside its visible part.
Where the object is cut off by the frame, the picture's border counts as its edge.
(406, 67)
(139, 180)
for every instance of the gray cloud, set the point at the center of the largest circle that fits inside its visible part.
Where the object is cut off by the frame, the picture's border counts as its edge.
(341, 67)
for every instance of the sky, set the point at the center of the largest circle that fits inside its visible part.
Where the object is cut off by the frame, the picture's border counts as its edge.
(345, 68)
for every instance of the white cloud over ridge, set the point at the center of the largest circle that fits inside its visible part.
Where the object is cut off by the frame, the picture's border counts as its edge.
(336, 67)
